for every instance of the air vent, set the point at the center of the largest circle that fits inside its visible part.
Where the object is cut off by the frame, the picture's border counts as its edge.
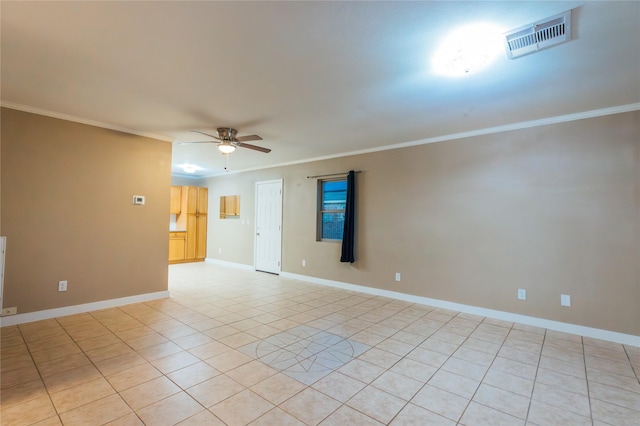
(539, 35)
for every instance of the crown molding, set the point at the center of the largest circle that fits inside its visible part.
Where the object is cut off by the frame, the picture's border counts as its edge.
(453, 136)
(80, 120)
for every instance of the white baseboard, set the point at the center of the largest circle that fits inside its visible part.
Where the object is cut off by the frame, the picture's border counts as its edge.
(229, 264)
(596, 333)
(78, 309)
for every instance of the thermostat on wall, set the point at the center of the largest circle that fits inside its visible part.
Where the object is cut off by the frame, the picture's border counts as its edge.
(138, 200)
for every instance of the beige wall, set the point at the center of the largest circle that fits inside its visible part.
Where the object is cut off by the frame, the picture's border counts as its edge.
(552, 209)
(67, 212)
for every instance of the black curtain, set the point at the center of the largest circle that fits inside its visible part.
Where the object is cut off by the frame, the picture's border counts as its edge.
(348, 235)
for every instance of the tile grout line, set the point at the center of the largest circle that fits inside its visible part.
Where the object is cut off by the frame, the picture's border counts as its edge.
(39, 372)
(586, 378)
(317, 304)
(485, 374)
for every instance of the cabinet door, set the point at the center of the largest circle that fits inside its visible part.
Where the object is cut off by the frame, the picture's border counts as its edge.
(176, 248)
(201, 236)
(236, 204)
(192, 238)
(231, 205)
(192, 199)
(223, 211)
(176, 200)
(203, 201)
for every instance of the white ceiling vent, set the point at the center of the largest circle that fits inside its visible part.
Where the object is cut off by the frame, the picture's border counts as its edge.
(539, 35)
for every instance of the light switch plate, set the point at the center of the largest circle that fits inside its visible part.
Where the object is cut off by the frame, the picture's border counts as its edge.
(565, 300)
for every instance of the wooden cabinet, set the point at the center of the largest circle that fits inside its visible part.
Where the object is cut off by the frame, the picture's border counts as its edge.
(177, 245)
(193, 219)
(229, 206)
(176, 200)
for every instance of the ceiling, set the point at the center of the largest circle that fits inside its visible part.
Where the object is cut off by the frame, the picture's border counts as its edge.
(314, 79)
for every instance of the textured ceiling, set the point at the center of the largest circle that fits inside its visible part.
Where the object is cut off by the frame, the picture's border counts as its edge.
(314, 79)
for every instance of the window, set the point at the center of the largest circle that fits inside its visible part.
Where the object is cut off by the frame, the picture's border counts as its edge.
(332, 198)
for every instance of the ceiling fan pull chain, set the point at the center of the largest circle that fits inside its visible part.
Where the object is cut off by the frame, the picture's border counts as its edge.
(226, 163)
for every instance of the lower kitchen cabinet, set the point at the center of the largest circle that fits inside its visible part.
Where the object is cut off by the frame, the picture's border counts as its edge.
(177, 246)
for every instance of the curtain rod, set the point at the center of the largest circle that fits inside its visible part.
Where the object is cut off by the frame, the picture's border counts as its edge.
(332, 174)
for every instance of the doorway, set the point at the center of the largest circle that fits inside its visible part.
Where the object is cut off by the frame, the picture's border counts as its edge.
(268, 238)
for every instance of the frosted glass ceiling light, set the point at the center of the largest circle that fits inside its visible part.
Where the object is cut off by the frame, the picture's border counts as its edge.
(190, 168)
(467, 49)
(226, 147)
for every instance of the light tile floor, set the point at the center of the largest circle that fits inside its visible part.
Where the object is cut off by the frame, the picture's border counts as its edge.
(305, 353)
(237, 347)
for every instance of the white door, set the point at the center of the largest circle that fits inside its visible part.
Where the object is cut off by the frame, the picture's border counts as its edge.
(268, 226)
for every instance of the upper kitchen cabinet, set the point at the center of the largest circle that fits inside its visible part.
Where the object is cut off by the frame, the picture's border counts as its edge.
(197, 199)
(176, 200)
(229, 206)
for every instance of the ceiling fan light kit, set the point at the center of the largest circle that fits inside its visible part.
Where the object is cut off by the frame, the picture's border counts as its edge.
(226, 147)
(228, 142)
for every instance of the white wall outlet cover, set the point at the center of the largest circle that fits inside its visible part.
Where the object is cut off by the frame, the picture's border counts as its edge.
(62, 285)
(397, 276)
(138, 200)
(522, 294)
(9, 311)
(565, 300)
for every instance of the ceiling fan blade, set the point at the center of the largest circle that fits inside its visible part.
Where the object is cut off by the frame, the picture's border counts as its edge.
(189, 143)
(249, 138)
(254, 147)
(206, 134)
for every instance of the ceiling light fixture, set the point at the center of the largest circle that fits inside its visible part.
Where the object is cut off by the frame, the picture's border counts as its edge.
(467, 50)
(226, 147)
(190, 168)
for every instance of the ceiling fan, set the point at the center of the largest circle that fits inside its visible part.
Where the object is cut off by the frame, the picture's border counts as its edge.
(228, 142)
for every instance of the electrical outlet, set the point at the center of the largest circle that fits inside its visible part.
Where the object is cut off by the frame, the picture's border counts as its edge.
(220, 250)
(304, 262)
(397, 276)
(565, 300)
(522, 294)
(62, 285)
(9, 311)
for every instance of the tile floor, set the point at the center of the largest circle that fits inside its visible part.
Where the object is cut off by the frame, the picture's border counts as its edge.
(236, 347)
